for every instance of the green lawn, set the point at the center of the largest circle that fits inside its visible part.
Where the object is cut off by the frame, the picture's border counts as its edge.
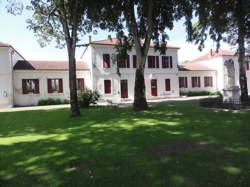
(170, 145)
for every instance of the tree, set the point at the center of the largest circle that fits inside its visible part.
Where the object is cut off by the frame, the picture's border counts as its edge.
(64, 21)
(226, 20)
(144, 21)
(14, 7)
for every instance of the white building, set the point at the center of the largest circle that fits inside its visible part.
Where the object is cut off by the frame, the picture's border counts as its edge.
(24, 82)
(208, 72)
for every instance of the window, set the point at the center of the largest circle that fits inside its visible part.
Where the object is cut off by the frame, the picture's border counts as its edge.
(153, 61)
(30, 86)
(80, 83)
(134, 61)
(208, 81)
(196, 82)
(107, 86)
(167, 85)
(183, 82)
(124, 63)
(106, 61)
(55, 85)
(167, 62)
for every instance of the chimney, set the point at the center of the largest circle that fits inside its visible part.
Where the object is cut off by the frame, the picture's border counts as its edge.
(90, 39)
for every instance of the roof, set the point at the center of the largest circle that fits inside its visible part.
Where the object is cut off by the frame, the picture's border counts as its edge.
(213, 54)
(4, 44)
(48, 65)
(114, 41)
(194, 67)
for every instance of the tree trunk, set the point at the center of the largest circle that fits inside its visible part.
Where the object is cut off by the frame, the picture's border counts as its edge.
(72, 84)
(241, 60)
(140, 102)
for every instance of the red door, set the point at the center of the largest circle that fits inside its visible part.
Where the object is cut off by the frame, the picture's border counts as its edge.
(124, 89)
(154, 87)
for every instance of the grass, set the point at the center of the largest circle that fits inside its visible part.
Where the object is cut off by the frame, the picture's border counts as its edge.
(170, 145)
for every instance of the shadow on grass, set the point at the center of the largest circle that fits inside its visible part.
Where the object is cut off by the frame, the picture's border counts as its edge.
(170, 145)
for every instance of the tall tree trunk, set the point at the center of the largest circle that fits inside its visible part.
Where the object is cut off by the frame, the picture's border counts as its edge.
(241, 60)
(140, 102)
(72, 83)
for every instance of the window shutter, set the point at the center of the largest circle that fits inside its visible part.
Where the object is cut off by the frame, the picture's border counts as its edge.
(157, 61)
(106, 61)
(193, 82)
(167, 61)
(81, 83)
(211, 83)
(167, 85)
(180, 82)
(24, 86)
(36, 86)
(186, 82)
(107, 86)
(60, 86)
(149, 62)
(127, 62)
(49, 85)
(199, 81)
(171, 62)
(134, 61)
(164, 62)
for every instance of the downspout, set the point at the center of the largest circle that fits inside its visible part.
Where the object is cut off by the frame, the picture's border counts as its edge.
(12, 75)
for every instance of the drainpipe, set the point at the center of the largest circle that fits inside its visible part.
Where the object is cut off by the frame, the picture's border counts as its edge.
(12, 75)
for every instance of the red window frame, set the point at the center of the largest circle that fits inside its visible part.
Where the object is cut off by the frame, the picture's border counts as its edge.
(80, 84)
(55, 88)
(167, 84)
(196, 82)
(107, 86)
(106, 61)
(153, 61)
(183, 82)
(30, 86)
(208, 81)
(167, 62)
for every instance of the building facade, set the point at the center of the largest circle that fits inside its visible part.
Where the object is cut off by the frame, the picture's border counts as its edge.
(24, 83)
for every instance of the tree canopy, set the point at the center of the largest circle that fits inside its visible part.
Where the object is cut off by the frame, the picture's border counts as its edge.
(63, 21)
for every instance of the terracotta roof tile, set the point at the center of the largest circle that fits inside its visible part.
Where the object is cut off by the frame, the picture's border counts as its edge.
(213, 54)
(48, 65)
(4, 44)
(194, 67)
(113, 41)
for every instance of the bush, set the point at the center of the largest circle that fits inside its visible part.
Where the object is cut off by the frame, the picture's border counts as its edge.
(199, 93)
(87, 97)
(51, 101)
(66, 101)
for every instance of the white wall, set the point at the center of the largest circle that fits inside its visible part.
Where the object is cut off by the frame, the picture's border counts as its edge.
(201, 74)
(100, 74)
(32, 99)
(8, 58)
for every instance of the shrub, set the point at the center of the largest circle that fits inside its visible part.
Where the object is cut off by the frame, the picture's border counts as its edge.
(87, 97)
(199, 93)
(66, 101)
(51, 101)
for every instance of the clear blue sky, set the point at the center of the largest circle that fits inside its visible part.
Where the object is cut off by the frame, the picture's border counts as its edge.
(14, 31)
